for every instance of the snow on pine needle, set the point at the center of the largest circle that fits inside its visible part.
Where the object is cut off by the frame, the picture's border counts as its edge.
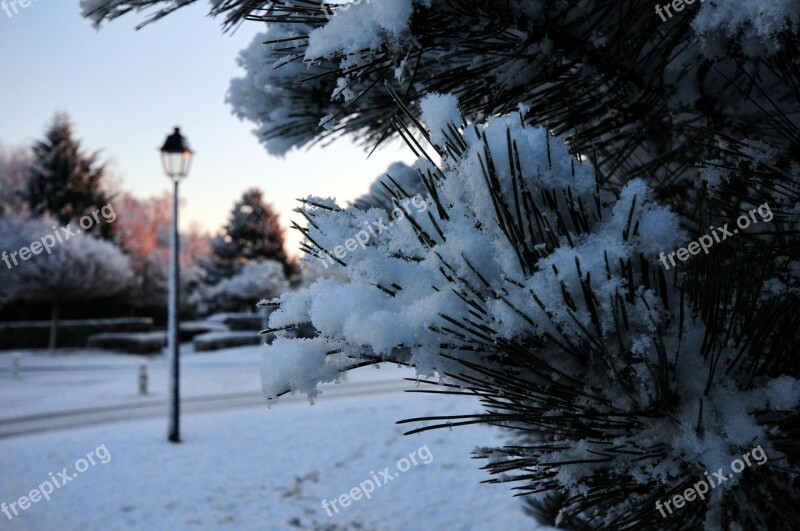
(528, 285)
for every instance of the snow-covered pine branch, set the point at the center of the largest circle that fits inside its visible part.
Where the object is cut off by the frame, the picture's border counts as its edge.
(540, 293)
(645, 99)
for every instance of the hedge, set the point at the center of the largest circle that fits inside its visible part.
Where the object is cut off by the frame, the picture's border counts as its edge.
(71, 333)
(221, 340)
(141, 343)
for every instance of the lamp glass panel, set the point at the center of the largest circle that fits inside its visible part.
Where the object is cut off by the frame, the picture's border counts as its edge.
(172, 163)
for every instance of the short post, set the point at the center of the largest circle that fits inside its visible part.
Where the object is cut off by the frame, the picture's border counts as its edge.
(143, 379)
(15, 366)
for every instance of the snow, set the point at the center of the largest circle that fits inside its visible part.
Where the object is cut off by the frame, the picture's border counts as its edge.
(85, 378)
(298, 365)
(471, 263)
(378, 22)
(405, 176)
(258, 468)
(77, 266)
(269, 95)
(261, 279)
(761, 19)
(356, 316)
(288, 113)
(220, 340)
(223, 317)
(361, 320)
(438, 112)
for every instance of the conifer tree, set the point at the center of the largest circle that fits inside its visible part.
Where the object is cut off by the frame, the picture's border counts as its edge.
(253, 233)
(533, 281)
(65, 182)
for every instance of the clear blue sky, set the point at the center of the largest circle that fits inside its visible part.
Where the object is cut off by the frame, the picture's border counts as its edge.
(126, 89)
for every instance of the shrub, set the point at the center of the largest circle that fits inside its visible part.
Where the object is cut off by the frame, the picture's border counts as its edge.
(143, 343)
(74, 333)
(221, 340)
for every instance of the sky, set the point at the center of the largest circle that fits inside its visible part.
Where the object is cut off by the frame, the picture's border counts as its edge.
(125, 90)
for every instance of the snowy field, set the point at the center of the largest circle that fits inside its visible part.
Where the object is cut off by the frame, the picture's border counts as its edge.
(255, 468)
(85, 379)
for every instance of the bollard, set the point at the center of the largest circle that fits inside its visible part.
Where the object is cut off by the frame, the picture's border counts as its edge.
(15, 366)
(143, 379)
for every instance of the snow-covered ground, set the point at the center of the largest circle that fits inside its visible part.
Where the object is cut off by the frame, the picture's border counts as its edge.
(77, 379)
(255, 468)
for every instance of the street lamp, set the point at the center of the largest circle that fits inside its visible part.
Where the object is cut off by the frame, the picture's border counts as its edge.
(176, 157)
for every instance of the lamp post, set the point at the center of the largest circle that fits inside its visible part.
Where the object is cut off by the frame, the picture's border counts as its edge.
(176, 157)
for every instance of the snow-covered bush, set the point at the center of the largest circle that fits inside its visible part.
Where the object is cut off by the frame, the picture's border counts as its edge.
(140, 343)
(72, 333)
(258, 280)
(192, 329)
(238, 321)
(79, 268)
(221, 340)
(537, 291)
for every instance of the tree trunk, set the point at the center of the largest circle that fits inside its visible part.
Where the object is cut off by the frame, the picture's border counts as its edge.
(55, 318)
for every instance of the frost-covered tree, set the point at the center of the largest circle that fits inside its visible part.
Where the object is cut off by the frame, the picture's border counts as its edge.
(64, 181)
(143, 232)
(532, 280)
(258, 280)
(253, 232)
(14, 165)
(56, 267)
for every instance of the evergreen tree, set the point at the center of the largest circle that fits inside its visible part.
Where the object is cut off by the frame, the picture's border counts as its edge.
(65, 182)
(534, 283)
(253, 233)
